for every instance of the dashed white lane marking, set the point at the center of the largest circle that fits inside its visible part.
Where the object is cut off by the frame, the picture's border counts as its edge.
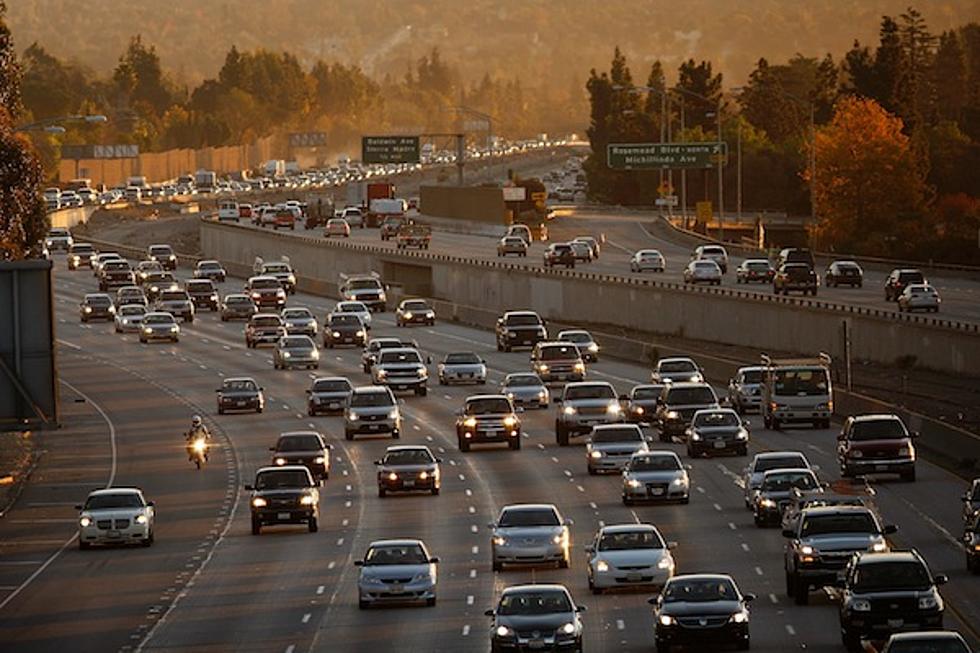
(340, 541)
(321, 589)
(349, 488)
(475, 550)
(466, 630)
(462, 477)
(553, 459)
(745, 547)
(226, 347)
(732, 525)
(593, 505)
(469, 492)
(717, 507)
(473, 528)
(580, 488)
(699, 489)
(758, 571)
(774, 599)
(469, 600)
(472, 573)
(345, 522)
(330, 565)
(566, 472)
(620, 624)
(291, 648)
(347, 504)
(790, 630)
(344, 472)
(472, 510)
(306, 618)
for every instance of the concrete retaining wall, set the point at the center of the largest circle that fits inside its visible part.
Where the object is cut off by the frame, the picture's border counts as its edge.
(69, 218)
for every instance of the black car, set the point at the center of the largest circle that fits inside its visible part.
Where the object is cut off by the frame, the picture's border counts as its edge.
(898, 279)
(536, 617)
(304, 448)
(971, 543)
(795, 255)
(678, 403)
(96, 306)
(843, 273)
(717, 431)
(519, 329)
(754, 270)
(885, 593)
(344, 329)
(237, 306)
(703, 611)
(328, 395)
(798, 277)
(241, 393)
(203, 294)
(408, 469)
(284, 495)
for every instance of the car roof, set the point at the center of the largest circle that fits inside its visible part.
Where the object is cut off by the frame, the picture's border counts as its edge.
(752, 368)
(874, 417)
(871, 557)
(529, 506)
(927, 635)
(616, 425)
(787, 470)
(159, 314)
(570, 331)
(408, 447)
(778, 454)
(97, 295)
(521, 313)
(687, 384)
(237, 378)
(331, 378)
(284, 468)
(628, 528)
(401, 542)
(487, 396)
(655, 452)
(262, 277)
(586, 384)
(371, 389)
(535, 587)
(818, 511)
(715, 410)
(684, 577)
(296, 434)
(115, 490)
(674, 359)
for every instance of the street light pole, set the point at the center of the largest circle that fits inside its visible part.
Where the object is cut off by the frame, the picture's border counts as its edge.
(721, 177)
(738, 176)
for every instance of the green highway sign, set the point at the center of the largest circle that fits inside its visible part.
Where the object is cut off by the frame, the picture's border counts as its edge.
(657, 156)
(390, 149)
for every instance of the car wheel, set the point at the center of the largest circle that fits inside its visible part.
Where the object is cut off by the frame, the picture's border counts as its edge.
(851, 641)
(909, 476)
(497, 566)
(367, 370)
(435, 491)
(561, 435)
(429, 603)
(563, 563)
(790, 585)
(221, 411)
(421, 392)
(256, 526)
(801, 595)
(148, 540)
(663, 647)
(258, 409)
(743, 451)
(83, 545)
(592, 471)
(515, 444)
(348, 436)
(314, 527)
(627, 501)
(744, 645)
(361, 604)
(464, 445)
(775, 424)
(396, 434)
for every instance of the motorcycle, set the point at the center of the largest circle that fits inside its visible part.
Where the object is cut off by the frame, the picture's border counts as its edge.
(198, 450)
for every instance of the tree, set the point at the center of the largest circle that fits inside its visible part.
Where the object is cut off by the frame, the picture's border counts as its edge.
(858, 72)
(869, 187)
(949, 77)
(698, 80)
(915, 94)
(889, 65)
(139, 77)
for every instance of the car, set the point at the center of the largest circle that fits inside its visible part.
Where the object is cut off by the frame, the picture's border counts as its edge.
(96, 306)
(284, 494)
(336, 227)
(343, 328)
(359, 309)
(705, 271)
(296, 351)
(841, 273)
(237, 306)
(587, 346)
(885, 593)
(328, 395)
(130, 295)
(521, 231)
(300, 322)
(929, 641)
(629, 556)
(266, 292)
(396, 571)
(559, 254)
(353, 216)
(209, 269)
(745, 389)
(795, 277)
(557, 361)
(822, 540)
(754, 270)
(414, 311)
(159, 326)
(610, 447)
(676, 369)
(115, 274)
(488, 418)
(240, 393)
(118, 515)
(876, 444)
(80, 255)
(536, 617)
(101, 258)
(971, 542)
(367, 289)
(58, 239)
(390, 226)
(795, 255)
(971, 500)
(203, 293)
(264, 329)
(519, 329)
(648, 259)
(592, 242)
(372, 409)
(678, 404)
(176, 302)
(796, 390)
(583, 405)
(919, 296)
(408, 469)
(701, 612)
(525, 390)
(763, 462)
(370, 354)
(899, 278)
(640, 405)
(582, 251)
(129, 318)
(401, 369)
(775, 490)
(655, 476)
(305, 448)
(162, 254)
(715, 431)
(145, 268)
(462, 367)
(714, 253)
(512, 245)
(529, 533)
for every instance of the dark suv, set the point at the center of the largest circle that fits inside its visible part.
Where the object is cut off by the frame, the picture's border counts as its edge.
(284, 495)
(795, 277)
(885, 593)
(304, 448)
(898, 279)
(795, 255)
(519, 329)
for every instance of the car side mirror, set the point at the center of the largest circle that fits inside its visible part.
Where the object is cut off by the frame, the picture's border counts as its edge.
(653, 600)
(261, 389)
(569, 522)
(581, 608)
(556, 399)
(624, 397)
(941, 579)
(688, 467)
(492, 525)
(788, 533)
(377, 462)
(438, 460)
(272, 448)
(966, 496)
(428, 360)
(151, 503)
(748, 598)
(434, 560)
(915, 434)
(309, 392)
(589, 548)
(890, 529)
(841, 437)
(489, 613)
(250, 488)
(746, 424)
(358, 563)
(218, 390)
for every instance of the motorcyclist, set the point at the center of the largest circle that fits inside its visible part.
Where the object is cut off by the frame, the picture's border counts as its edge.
(197, 431)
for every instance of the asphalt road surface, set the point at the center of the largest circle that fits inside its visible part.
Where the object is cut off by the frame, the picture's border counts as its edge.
(209, 585)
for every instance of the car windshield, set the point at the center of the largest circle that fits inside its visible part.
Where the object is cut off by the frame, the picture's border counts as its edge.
(132, 310)
(705, 265)
(351, 307)
(369, 399)
(299, 443)
(267, 321)
(158, 319)
(618, 434)
(850, 523)
(911, 277)
(408, 457)
(161, 251)
(654, 464)
(784, 481)
(879, 429)
(98, 301)
(523, 380)
(534, 603)
(199, 286)
(209, 266)
(488, 406)
(523, 320)
(699, 395)
(896, 575)
(757, 265)
(231, 301)
(82, 249)
(109, 501)
(389, 554)
(721, 418)
(713, 251)
(700, 590)
(265, 284)
(363, 284)
(577, 337)
(623, 541)
(558, 352)
(529, 517)
(848, 267)
(276, 268)
(282, 478)
(296, 313)
(931, 645)
(676, 366)
(400, 357)
(331, 386)
(598, 391)
(802, 382)
(782, 462)
(416, 306)
(647, 392)
(173, 295)
(239, 385)
(296, 342)
(340, 319)
(462, 359)
(648, 254)
(752, 376)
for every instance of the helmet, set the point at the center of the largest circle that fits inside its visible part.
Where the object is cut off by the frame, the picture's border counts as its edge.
(196, 421)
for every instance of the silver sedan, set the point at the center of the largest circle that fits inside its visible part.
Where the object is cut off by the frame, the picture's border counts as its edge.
(462, 367)
(648, 259)
(655, 476)
(611, 446)
(529, 534)
(396, 571)
(526, 389)
(629, 556)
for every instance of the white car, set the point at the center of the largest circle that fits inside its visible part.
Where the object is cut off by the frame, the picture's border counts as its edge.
(648, 259)
(715, 253)
(629, 555)
(359, 309)
(353, 216)
(337, 227)
(129, 318)
(919, 296)
(703, 271)
(119, 515)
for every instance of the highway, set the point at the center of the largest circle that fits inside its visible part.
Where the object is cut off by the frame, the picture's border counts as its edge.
(209, 585)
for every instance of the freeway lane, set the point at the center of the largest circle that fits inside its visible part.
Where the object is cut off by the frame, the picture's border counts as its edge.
(256, 593)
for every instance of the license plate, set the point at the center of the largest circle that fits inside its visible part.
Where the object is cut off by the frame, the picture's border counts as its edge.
(282, 516)
(240, 403)
(373, 427)
(633, 578)
(881, 468)
(115, 534)
(335, 406)
(719, 444)
(896, 623)
(408, 483)
(536, 644)
(493, 433)
(657, 491)
(397, 588)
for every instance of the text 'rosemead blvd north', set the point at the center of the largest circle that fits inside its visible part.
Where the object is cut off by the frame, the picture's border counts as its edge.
(640, 156)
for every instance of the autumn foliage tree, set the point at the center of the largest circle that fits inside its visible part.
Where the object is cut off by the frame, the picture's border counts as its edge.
(869, 188)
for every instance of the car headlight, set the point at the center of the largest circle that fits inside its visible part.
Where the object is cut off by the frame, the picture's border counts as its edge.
(382, 374)
(88, 309)
(359, 333)
(315, 355)
(579, 367)
(307, 500)
(665, 563)
(855, 453)
(633, 482)
(679, 481)
(393, 414)
(806, 550)
(595, 454)
(542, 394)
(280, 461)
(469, 422)
(593, 347)
(85, 521)
(499, 540)
(352, 416)
(319, 460)
(879, 546)
(928, 602)
(638, 410)
(667, 620)
(569, 410)
(559, 539)
(767, 503)
(695, 378)
(430, 314)
(742, 435)
(905, 451)
(510, 421)
(423, 372)
(673, 414)
(740, 617)
(542, 367)
(602, 566)
(567, 629)
(259, 502)
(510, 395)
(424, 475)
(860, 605)
(695, 436)
(255, 295)
(141, 519)
(382, 297)
(503, 631)
(286, 354)
(408, 315)
(147, 330)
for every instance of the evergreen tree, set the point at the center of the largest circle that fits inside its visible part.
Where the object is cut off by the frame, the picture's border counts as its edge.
(949, 77)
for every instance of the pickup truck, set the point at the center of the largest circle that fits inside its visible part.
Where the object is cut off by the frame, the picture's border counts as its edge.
(414, 235)
(391, 226)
